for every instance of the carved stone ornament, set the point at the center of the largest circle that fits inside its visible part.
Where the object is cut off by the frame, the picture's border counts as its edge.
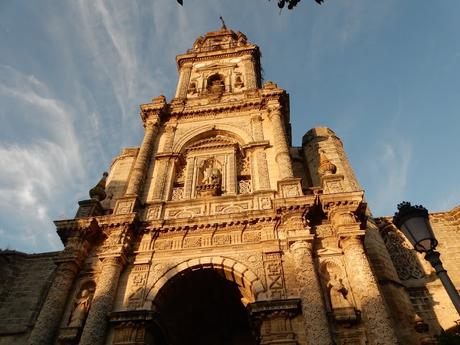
(210, 178)
(325, 165)
(98, 191)
(81, 307)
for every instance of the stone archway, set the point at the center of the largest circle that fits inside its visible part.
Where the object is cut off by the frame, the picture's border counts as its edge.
(251, 287)
(201, 302)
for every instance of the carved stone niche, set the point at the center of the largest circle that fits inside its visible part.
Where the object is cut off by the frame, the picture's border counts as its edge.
(70, 334)
(272, 321)
(339, 297)
(210, 178)
(133, 327)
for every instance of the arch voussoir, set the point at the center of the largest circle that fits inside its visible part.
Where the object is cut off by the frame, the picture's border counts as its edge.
(249, 283)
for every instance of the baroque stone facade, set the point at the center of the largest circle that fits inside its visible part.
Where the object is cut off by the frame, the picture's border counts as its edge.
(216, 230)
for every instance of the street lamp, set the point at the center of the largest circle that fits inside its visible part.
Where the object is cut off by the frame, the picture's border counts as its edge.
(414, 223)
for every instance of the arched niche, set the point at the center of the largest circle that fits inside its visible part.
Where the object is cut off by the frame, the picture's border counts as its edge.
(212, 163)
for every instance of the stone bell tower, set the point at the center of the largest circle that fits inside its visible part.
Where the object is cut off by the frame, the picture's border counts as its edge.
(216, 230)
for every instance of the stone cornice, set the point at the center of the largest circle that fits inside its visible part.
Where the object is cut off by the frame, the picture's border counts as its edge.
(164, 155)
(256, 100)
(191, 57)
(218, 108)
(347, 200)
(256, 144)
(131, 316)
(206, 222)
(154, 110)
(265, 308)
(81, 227)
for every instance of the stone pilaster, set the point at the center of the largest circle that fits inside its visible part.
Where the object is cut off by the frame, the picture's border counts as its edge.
(231, 175)
(283, 158)
(261, 173)
(143, 158)
(169, 138)
(313, 308)
(161, 173)
(51, 312)
(188, 183)
(95, 328)
(251, 78)
(377, 322)
(257, 128)
(184, 80)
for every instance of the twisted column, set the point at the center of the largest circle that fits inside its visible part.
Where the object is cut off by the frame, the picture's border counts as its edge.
(313, 309)
(51, 312)
(96, 323)
(280, 143)
(142, 159)
(377, 321)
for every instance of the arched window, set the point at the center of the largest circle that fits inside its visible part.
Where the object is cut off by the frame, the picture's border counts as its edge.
(216, 83)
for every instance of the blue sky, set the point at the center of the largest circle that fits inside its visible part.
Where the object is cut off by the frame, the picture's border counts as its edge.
(384, 75)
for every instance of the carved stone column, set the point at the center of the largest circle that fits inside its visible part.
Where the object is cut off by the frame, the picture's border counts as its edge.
(313, 309)
(377, 322)
(251, 78)
(280, 143)
(140, 166)
(96, 324)
(51, 312)
(184, 80)
(76, 236)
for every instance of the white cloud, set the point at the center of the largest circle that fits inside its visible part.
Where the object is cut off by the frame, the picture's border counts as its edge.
(390, 169)
(34, 172)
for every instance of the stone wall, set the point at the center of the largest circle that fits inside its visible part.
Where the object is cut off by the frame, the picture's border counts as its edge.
(24, 282)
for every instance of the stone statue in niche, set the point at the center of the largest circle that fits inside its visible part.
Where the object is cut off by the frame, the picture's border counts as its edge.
(238, 81)
(210, 178)
(342, 308)
(192, 88)
(81, 308)
(338, 293)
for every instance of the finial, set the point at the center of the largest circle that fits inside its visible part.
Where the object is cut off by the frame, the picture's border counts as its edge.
(98, 191)
(224, 27)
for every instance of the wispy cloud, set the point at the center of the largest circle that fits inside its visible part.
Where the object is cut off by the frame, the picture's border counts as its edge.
(34, 172)
(390, 168)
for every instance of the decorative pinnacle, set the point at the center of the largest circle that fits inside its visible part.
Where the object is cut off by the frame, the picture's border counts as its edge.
(98, 191)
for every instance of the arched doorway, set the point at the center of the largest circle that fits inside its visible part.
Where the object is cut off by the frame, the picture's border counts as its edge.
(201, 307)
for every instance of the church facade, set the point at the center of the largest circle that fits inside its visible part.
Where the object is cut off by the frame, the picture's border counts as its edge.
(216, 230)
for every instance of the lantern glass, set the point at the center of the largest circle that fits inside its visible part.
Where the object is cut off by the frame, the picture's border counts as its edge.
(419, 232)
